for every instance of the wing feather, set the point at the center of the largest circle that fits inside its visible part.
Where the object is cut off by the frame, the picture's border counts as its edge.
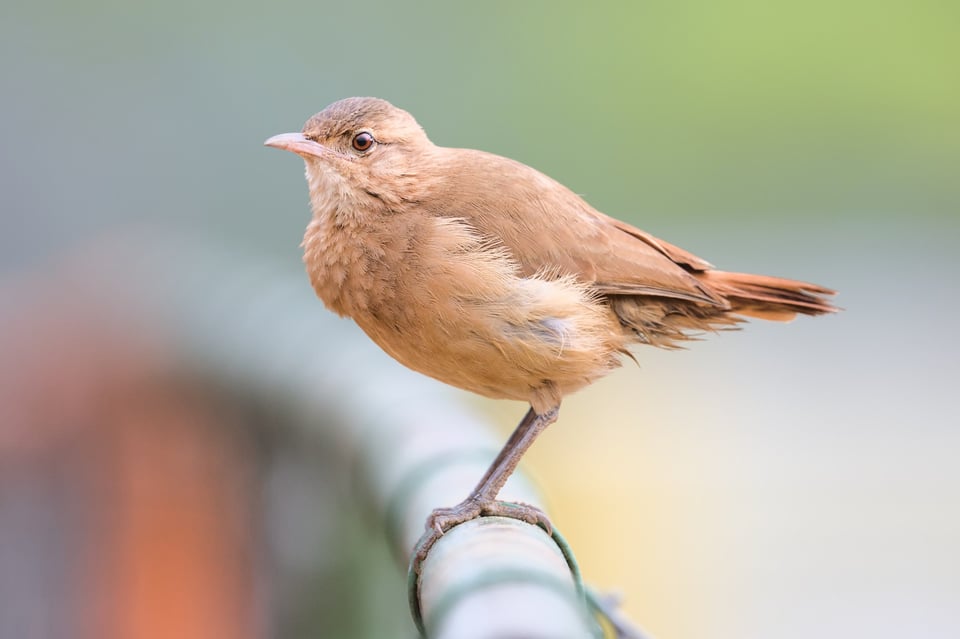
(548, 228)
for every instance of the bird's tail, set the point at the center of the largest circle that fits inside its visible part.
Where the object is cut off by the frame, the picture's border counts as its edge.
(765, 297)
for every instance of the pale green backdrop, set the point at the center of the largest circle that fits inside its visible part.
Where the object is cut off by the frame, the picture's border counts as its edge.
(782, 482)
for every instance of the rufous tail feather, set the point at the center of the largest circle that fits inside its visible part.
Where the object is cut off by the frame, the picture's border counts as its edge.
(769, 298)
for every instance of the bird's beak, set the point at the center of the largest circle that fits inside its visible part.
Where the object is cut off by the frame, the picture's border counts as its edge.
(297, 143)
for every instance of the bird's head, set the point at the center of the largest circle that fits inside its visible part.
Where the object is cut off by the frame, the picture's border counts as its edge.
(362, 150)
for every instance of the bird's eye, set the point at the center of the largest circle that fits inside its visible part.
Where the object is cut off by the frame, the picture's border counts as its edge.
(363, 141)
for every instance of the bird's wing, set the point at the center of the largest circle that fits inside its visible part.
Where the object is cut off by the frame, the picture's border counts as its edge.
(550, 229)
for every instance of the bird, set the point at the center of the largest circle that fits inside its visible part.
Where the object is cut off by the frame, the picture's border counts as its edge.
(486, 274)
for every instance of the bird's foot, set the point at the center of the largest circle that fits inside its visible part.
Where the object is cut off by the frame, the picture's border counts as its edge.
(443, 519)
(519, 510)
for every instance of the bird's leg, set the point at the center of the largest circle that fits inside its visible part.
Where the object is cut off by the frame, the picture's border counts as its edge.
(482, 501)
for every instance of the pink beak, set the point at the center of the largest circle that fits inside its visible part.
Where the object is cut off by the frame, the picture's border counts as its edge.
(297, 143)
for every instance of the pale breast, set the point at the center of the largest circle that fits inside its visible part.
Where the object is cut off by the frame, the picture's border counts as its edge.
(461, 313)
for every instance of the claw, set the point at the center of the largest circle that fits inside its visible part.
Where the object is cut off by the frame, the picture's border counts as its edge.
(443, 519)
(523, 512)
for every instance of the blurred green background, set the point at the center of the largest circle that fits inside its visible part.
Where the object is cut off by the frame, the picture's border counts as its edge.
(779, 482)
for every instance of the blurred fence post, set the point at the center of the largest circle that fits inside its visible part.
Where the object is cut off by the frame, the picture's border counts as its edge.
(416, 445)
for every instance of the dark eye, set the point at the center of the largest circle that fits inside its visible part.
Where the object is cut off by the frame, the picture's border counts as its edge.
(363, 141)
